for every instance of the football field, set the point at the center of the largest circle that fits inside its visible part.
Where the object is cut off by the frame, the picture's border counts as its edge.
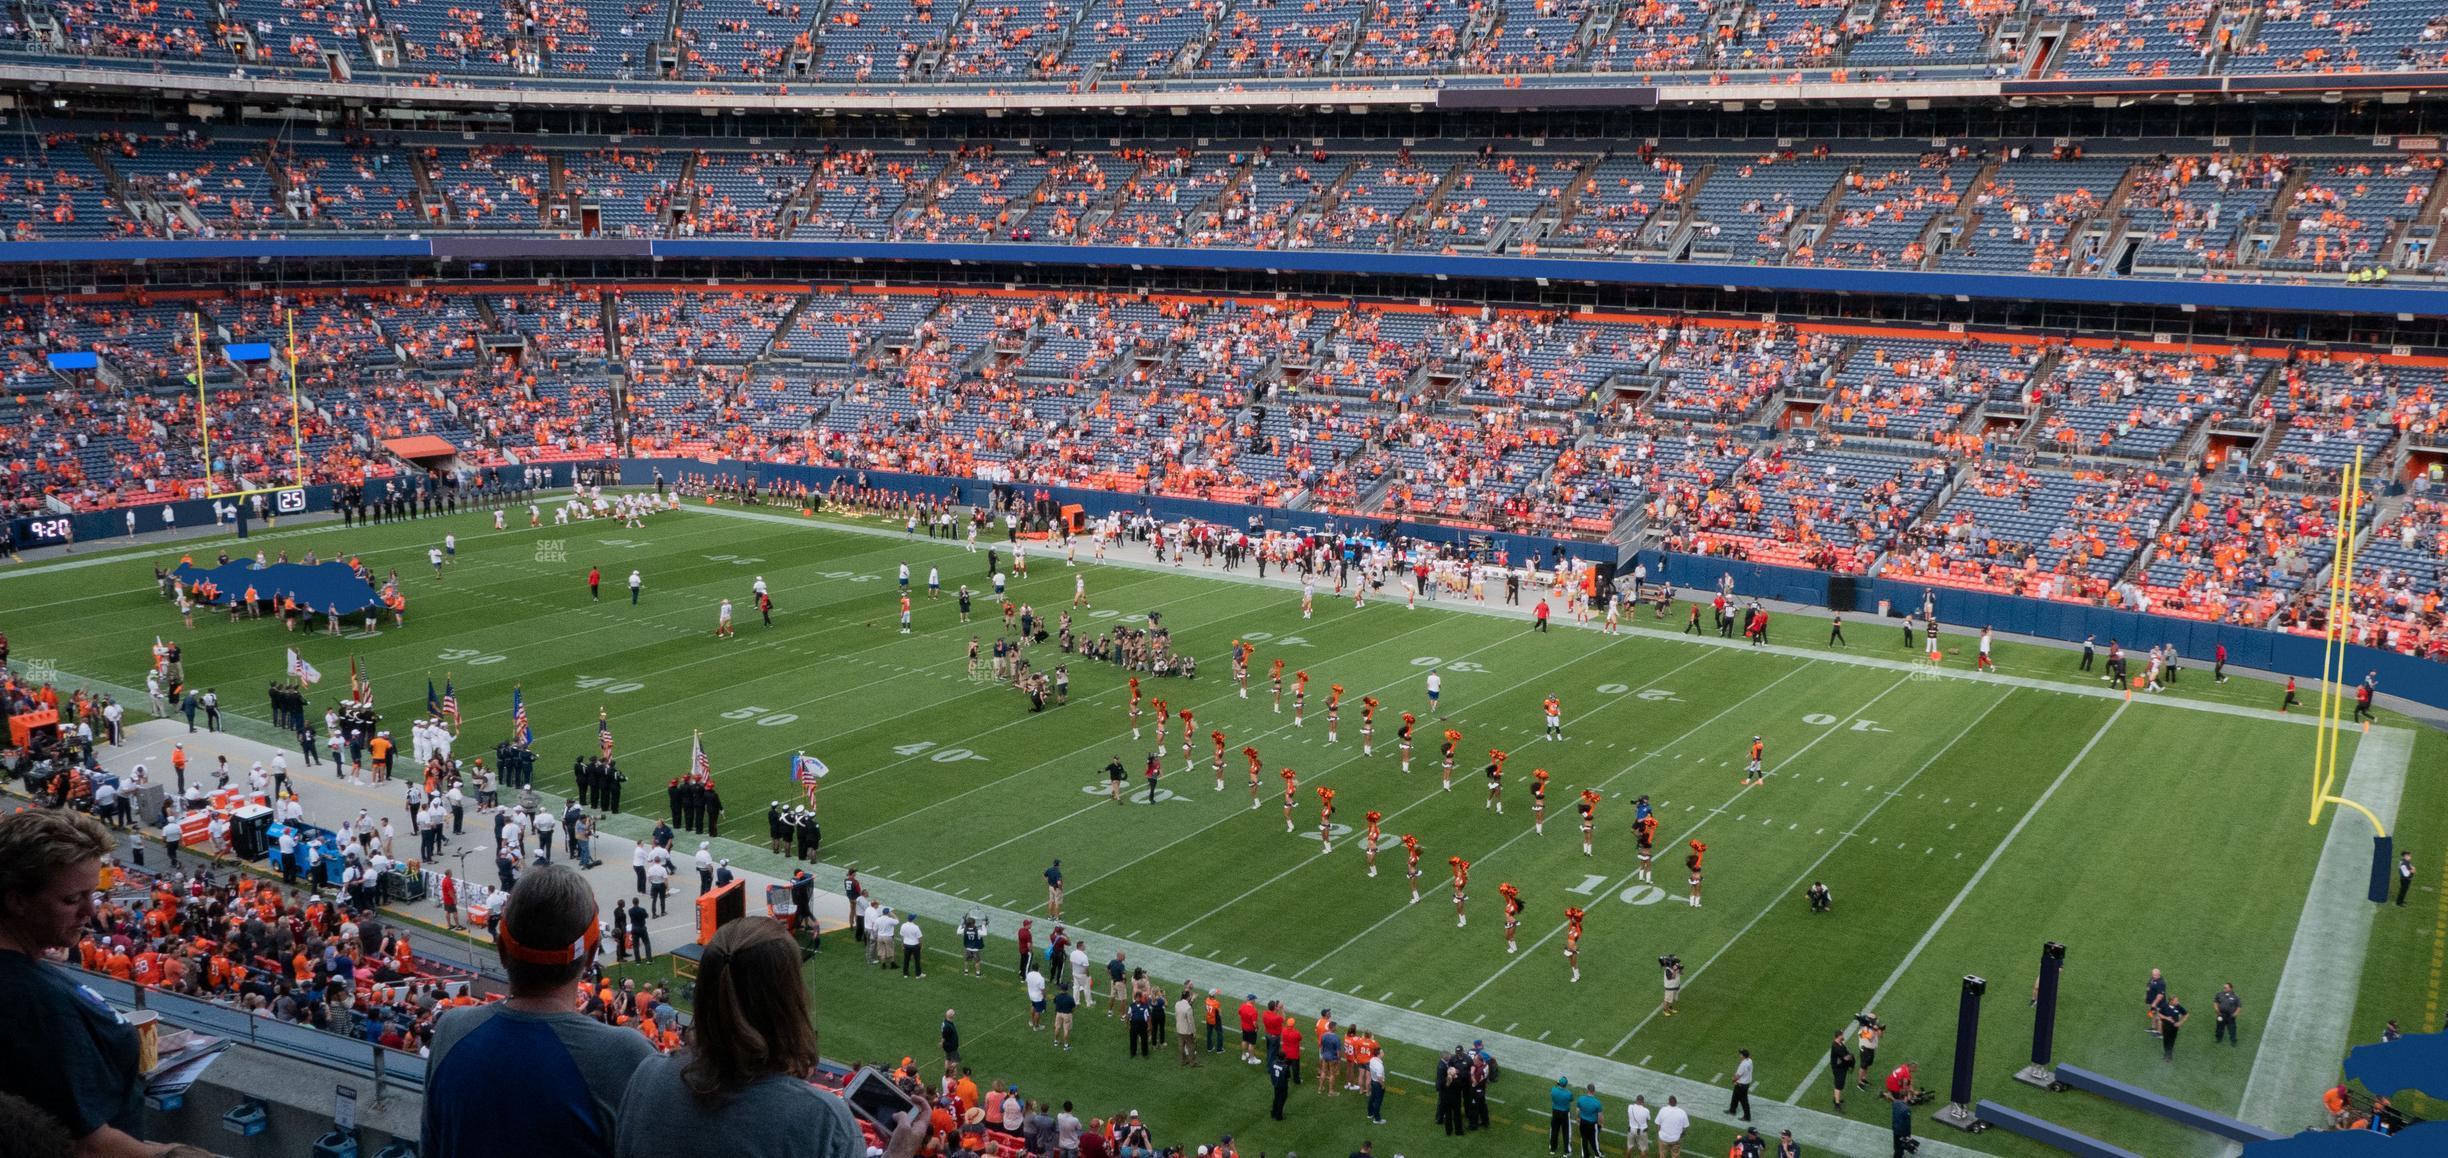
(1960, 819)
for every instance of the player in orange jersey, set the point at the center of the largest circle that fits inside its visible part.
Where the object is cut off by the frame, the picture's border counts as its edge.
(1555, 718)
(1412, 869)
(1369, 842)
(1589, 820)
(1251, 753)
(1300, 696)
(1572, 940)
(1325, 797)
(1538, 801)
(1334, 710)
(1513, 908)
(1403, 740)
(1495, 780)
(1453, 738)
(1752, 774)
(1275, 677)
(1291, 781)
(1461, 881)
(1218, 738)
(1134, 707)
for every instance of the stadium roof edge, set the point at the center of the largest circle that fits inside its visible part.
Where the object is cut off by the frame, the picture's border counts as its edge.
(1564, 92)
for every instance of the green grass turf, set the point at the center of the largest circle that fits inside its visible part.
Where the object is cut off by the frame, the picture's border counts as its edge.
(2176, 840)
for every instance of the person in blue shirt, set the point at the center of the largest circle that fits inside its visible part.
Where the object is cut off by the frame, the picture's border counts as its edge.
(1586, 1109)
(1559, 1117)
(532, 1074)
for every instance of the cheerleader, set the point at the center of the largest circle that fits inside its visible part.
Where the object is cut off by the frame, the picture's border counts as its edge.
(1538, 801)
(1411, 868)
(1692, 862)
(1368, 843)
(1325, 797)
(1461, 881)
(1589, 820)
(1512, 910)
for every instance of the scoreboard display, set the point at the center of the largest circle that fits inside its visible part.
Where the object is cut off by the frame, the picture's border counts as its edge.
(45, 531)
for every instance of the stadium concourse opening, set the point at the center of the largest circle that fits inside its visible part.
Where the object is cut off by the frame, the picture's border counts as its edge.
(1936, 474)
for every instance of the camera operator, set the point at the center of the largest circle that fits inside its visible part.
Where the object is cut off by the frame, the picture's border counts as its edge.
(1673, 969)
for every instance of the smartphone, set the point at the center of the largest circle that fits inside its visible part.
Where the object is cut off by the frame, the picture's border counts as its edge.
(873, 1097)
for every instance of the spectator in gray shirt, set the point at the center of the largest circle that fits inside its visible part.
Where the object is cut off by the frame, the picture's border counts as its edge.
(743, 1092)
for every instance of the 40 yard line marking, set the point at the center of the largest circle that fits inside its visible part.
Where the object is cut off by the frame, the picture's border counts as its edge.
(1739, 934)
(1820, 1066)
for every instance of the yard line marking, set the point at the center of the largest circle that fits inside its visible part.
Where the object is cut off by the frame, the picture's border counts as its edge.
(1512, 1027)
(1186, 947)
(1381, 921)
(1237, 964)
(1304, 862)
(1806, 874)
(1931, 934)
(1550, 935)
(1388, 995)
(2304, 1025)
(1645, 1058)
(1577, 1042)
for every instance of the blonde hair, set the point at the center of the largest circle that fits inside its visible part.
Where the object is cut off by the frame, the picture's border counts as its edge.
(38, 844)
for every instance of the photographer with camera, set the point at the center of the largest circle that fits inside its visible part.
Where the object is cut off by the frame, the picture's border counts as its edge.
(1902, 1096)
(1673, 967)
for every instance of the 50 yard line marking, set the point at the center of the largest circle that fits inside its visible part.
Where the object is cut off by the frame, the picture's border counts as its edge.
(1777, 896)
(1818, 1067)
(1550, 935)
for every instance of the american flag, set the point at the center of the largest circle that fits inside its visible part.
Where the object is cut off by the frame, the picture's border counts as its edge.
(518, 717)
(807, 769)
(361, 685)
(603, 732)
(450, 701)
(699, 763)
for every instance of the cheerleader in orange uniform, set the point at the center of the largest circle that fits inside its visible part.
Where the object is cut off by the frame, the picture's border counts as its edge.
(1411, 868)
(1251, 753)
(1589, 821)
(1218, 738)
(1275, 677)
(1402, 740)
(1134, 707)
(1300, 696)
(1334, 710)
(1325, 819)
(1370, 842)
(1291, 781)
(1368, 725)
(1692, 862)
(1453, 739)
(1572, 941)
(1538, 801)
(1513, 908)
(1495, 779)
(1461, 881)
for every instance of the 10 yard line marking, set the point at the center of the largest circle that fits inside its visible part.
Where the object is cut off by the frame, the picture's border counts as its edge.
(1808, 1080)
(1501, 970)
(1926, 765)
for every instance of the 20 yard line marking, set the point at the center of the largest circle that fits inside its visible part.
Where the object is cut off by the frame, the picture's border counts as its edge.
(1739, 934)
(1819, 1067)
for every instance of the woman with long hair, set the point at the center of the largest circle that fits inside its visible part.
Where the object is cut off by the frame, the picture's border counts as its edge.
(742, 1089)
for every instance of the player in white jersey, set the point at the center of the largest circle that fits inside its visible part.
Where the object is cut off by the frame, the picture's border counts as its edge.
(498, 516)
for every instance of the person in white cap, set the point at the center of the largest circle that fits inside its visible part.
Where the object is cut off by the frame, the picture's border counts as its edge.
(705, 865)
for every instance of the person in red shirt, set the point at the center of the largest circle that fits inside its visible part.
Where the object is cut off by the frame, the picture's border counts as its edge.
(1249, 1031)
(1539, 616)
(1272, 1022)
(595, 584)
(1292, 1047)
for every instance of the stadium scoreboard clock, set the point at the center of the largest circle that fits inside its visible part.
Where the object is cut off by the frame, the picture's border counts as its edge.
(45, 531)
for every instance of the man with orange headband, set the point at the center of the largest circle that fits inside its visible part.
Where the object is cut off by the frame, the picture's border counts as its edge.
(568, 1069)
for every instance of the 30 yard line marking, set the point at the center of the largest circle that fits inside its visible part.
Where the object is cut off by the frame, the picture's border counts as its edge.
(1931, 934)
(1780, 895)
(1550, 935)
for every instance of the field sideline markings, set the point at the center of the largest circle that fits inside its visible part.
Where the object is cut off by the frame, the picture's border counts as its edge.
(1778, 897)
(1626, 880)
(1423, 799)
(2305, 1031)
(1931, 934)
(1406, 907)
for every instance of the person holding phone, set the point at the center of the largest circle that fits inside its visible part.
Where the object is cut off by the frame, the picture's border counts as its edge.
(743, 1090)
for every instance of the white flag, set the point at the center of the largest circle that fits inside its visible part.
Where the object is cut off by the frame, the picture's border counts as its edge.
(304, 671)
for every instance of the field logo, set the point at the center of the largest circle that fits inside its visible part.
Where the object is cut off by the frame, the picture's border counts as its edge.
(1140, 796)
(552, 551)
